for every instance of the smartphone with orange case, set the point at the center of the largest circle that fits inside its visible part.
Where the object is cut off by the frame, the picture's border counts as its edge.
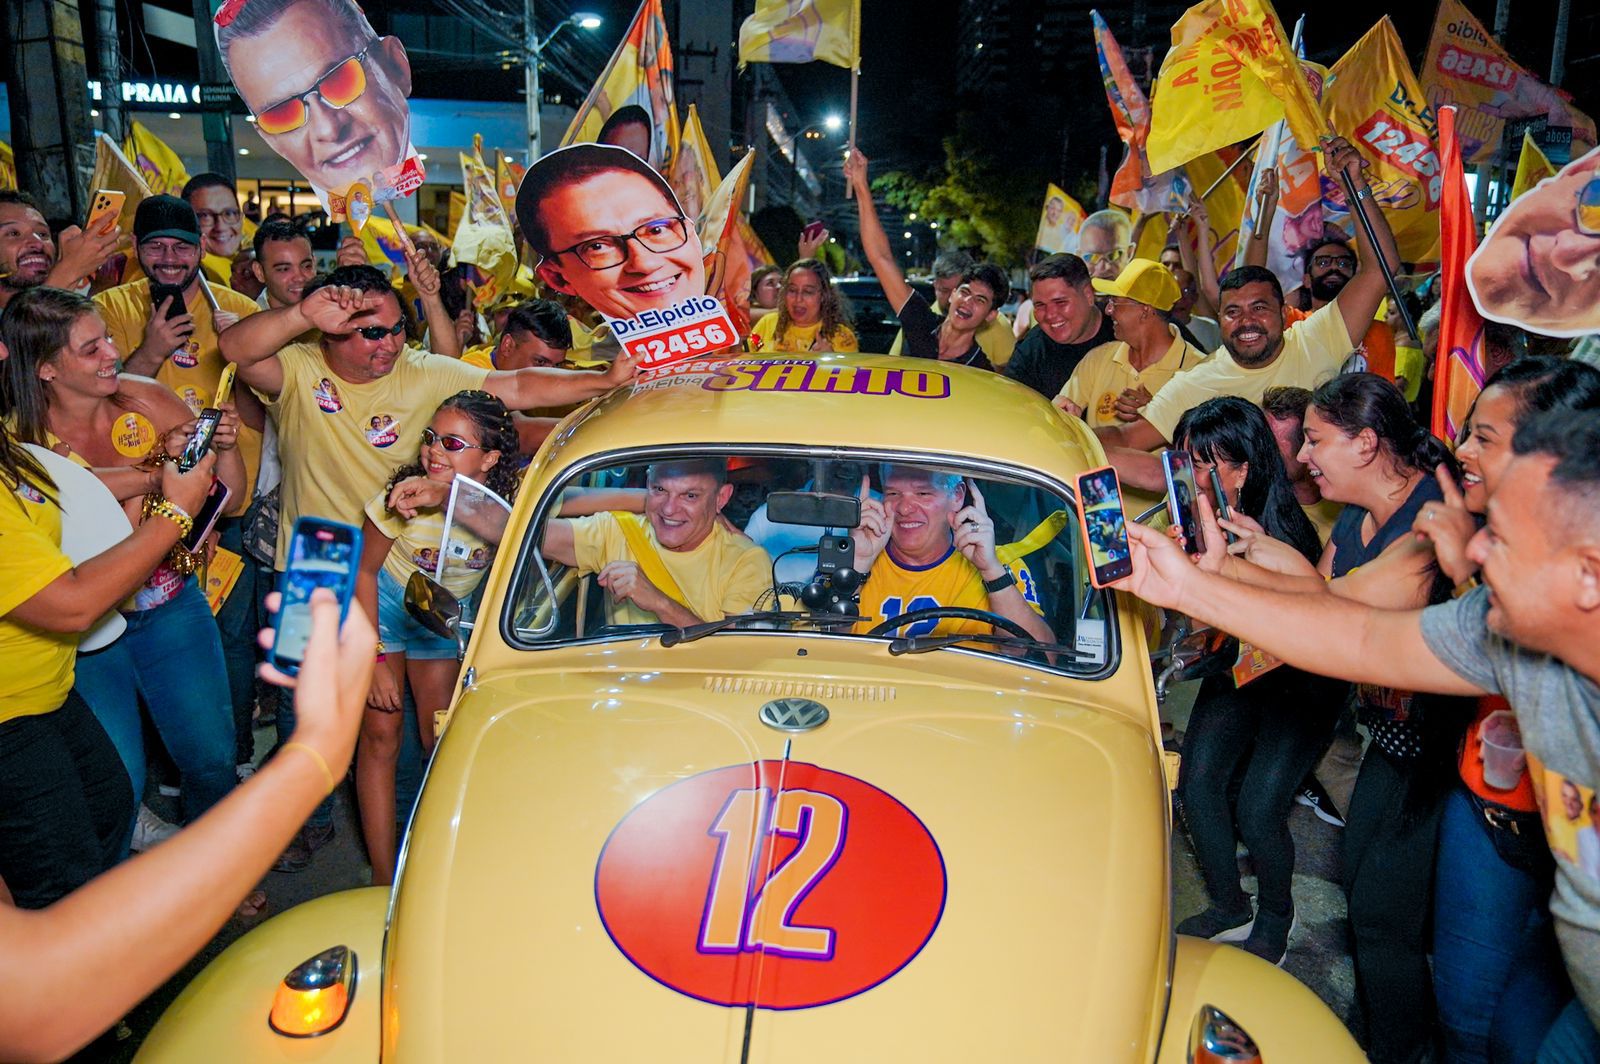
(104, 210)
(1104, 526)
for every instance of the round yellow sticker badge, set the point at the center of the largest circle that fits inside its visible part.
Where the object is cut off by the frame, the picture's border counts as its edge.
(133, 435)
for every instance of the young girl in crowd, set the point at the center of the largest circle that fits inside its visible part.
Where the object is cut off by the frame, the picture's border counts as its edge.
(62, 390)
(471, 435)
(1366, 450)
(1496, 968)
(1242, 731)
(766, 289)
(810, 316)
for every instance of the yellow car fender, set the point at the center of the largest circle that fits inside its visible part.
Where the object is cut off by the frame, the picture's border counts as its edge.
(1280, 1014)
(222, 1013)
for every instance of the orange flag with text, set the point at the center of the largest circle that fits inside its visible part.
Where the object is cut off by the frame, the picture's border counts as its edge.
(1461, 366)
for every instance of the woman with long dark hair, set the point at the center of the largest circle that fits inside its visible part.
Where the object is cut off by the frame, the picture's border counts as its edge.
(61, 390)
(811, 315)
(1239, 731)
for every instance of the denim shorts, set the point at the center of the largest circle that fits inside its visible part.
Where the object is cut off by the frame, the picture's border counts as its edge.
(400, 632)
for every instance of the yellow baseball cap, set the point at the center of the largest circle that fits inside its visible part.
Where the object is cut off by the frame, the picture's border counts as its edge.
(1143, 281)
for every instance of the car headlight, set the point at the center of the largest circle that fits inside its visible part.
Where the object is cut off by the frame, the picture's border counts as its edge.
(314, 997)
(1216, 1039)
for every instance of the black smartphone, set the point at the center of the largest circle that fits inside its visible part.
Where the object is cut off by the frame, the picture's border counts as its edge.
(200, 440)
(1178, 468)
(159, 293)
(322, 553)
(210, 511)
(1104, 526)
(1224, 508)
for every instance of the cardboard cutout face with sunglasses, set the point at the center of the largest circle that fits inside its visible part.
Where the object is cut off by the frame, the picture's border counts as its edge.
(1539, 267)
(328, 94)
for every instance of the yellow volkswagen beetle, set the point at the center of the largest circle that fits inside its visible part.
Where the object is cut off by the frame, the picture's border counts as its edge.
(881, 804)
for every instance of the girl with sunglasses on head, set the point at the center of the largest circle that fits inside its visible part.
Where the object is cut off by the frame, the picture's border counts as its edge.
(471, 435)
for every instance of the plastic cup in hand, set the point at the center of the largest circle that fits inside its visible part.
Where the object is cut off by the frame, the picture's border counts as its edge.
(1503, 756)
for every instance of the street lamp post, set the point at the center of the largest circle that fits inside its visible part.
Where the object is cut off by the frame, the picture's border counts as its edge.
(530, 75)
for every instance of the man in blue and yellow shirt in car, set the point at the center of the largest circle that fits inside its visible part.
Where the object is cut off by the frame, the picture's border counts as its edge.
(930, 542)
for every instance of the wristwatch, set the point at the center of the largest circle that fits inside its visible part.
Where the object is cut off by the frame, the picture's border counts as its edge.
(1000, 583)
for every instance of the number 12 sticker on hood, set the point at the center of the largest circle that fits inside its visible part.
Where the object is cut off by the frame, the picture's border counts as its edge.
(778, 884)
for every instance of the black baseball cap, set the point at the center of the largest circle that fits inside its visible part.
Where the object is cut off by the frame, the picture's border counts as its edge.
(160, 216)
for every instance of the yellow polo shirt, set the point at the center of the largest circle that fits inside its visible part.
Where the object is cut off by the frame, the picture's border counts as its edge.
(35, 666)
(725, 574)
(1105, 373)
(1313, 351)
(339, 441)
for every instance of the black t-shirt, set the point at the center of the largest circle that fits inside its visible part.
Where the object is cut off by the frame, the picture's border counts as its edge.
(922, 334)
(1044, 365)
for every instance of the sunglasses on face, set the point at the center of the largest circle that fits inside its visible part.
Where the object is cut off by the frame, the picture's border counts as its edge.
(1589, 207)
(338, 88)
(378, 332)
(608, 252)
(453, 444)
(1115, 255)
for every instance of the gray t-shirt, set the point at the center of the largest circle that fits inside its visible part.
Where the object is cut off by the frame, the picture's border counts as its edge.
(1558, 710)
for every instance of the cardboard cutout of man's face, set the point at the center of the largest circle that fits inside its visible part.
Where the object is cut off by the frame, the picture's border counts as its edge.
(1538, 268)
(610, 203)
(306, 47)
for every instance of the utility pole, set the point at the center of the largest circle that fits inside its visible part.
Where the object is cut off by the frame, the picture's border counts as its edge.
(216, 93)
(530, 80)
(1558, 54)
(109, 51)
(50, 124)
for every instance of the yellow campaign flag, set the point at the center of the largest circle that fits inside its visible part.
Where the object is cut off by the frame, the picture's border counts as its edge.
(160, 166)
(113, 170)
(1532, 166)
(483, 238)
(728, 263)
(1225, 204)
(8, 166)
(382, 243)
(1229, 74)
(694, 174)
(1467, 67)
(1059, 220)
(802, 31)
(1372, 98)
(639, 75)
(507, 176)
(1153, 237)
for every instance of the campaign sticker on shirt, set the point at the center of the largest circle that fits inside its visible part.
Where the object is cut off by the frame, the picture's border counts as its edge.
(327, 396)
(778, 884)
(381, 431)
(29, 492)
(192, 399)
(187, 356)
(426, 559)
(1107, 406)
(132, 435)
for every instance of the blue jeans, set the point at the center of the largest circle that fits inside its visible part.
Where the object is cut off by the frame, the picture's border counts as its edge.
(241, 617)
(1573, 1039)
(171, 657)
(1491, 922)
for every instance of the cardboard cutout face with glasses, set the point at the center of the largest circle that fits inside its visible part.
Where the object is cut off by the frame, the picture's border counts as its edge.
(1539, 267)
(609, 230)
(328, 94)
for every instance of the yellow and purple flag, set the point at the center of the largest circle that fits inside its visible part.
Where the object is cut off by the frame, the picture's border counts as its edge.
(639, 75)
(1532, 166)
(1373, 98)
(802, 31)
(1133, 186)
(1229, 75)
(483, 238)
(1059, 222)
(694, 176)
(728, 263)
(158, 164)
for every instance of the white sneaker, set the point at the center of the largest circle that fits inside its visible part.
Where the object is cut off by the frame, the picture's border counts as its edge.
(149, 830)
(168, 790)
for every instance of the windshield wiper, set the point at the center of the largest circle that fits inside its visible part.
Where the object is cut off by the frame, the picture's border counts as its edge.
(699, 631)
(921, 644)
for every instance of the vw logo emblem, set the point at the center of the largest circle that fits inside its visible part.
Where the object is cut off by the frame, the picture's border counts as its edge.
(794, 714)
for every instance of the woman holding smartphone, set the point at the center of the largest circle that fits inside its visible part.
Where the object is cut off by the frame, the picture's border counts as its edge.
(60, 389)
(1240, 731)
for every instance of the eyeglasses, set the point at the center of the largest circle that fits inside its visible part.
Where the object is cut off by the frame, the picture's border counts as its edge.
(1325, 262)
(231, 215)
(608, 252)
(338, 88)
(378, 332)
(453, 444)
(1589, 207)
(1114, 255)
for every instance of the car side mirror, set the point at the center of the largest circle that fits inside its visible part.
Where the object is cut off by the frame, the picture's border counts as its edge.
(435, 609)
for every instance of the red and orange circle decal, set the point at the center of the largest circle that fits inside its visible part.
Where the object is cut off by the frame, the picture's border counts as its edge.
(777, 884)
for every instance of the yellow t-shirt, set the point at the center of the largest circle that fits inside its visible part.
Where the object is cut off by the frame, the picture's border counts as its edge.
(1323, 513)
(193, 370)
(339, 441)
(1313, 351)
(1409, 363)
(35, 665)
(219, 268)
(798, 338)
(1105, 373)
(996, 339)
(893, 588)
(416, 546)
(725, 574)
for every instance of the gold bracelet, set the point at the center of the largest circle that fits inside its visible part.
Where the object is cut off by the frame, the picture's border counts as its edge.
(172, 512)
(321, 761)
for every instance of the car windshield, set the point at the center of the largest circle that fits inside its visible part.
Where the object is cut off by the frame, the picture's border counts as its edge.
(920, 555)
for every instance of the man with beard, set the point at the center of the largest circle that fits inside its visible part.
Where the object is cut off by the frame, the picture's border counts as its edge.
(29, 256)
(1258, 350)
(1070, 325)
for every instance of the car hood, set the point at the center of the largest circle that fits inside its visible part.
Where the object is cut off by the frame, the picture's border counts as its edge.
(616, 864)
